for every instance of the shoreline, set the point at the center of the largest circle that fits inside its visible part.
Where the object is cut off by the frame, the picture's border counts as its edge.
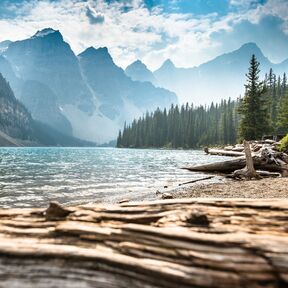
(253, 189)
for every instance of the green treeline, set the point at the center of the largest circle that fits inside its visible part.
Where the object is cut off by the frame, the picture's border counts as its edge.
(184, 126)
(262, 110)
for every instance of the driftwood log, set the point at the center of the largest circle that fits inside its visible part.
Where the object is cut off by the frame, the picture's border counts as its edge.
(223, 152)
(196, 180)
(171, 243)
(229, 166)
(265, 154)
(238, 149)
(265, 159)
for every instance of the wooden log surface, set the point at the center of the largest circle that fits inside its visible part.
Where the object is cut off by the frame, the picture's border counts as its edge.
(165, 243)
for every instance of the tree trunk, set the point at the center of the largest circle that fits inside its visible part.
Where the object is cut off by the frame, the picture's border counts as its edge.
(249, 171)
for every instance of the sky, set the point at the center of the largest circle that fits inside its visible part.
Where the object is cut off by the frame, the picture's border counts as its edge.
(189, 32)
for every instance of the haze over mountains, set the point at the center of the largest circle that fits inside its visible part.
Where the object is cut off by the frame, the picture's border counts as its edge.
(220, 78)
(88, 96)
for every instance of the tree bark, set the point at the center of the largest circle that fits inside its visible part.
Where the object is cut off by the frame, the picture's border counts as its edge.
(171, 243)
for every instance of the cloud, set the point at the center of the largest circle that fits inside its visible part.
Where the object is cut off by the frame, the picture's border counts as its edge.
(247, 4)
(94, 18)
(155, 30)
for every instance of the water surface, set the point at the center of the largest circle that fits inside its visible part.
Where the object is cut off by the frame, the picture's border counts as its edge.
(31, 177)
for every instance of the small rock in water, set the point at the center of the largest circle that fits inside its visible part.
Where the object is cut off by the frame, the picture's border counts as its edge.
(165, 186)
(167, 196)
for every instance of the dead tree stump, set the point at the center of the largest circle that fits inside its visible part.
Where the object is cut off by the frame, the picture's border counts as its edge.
(248, 172)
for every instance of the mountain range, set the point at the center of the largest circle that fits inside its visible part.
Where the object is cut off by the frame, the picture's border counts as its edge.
(220, 78)
(86, 96)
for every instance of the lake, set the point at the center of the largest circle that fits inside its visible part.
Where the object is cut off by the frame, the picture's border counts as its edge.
(31, 177)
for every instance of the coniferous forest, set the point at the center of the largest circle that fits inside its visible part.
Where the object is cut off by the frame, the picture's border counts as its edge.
(15, 119)
(262, 110)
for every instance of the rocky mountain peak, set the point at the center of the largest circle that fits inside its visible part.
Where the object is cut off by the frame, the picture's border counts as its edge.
(167, 64)
(101, 55)
(47, 32)
(138, 71)
(249, 49)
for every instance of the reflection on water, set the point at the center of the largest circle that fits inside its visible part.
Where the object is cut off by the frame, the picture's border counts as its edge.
(35, 176)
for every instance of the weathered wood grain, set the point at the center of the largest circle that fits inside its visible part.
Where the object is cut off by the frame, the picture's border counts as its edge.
(165, 243)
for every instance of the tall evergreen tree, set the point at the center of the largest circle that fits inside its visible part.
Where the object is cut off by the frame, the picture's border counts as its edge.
(253, 107)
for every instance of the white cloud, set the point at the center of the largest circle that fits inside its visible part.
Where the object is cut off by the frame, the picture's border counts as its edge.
(131, 31)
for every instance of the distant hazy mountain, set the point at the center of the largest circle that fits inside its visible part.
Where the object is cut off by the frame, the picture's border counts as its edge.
(222, 77)
(17, 127)
(88, 97)
(42, 103)
(138, 71)
(115, 91)
(46, 58)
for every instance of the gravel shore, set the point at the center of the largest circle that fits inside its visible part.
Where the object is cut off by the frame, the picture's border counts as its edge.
(264, 188)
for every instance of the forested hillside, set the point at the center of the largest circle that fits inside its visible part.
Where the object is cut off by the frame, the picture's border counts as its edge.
(15, 120)
(191, 127)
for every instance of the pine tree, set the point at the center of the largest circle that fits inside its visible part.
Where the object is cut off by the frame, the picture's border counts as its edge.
(253, 107)
(119, 139)
(284, 85)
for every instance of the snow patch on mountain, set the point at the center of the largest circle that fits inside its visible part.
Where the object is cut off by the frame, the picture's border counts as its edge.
(44, 32)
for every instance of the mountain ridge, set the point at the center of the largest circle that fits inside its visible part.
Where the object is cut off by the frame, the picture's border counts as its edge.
(138, 71)
(48, 73)
(221, 77)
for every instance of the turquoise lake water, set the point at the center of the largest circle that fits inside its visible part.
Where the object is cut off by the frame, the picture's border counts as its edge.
(31, 177)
